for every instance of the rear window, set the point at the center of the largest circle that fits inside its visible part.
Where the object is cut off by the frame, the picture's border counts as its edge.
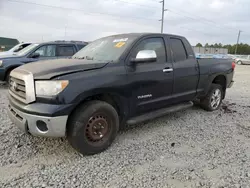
(66, 50)
(80, 46)
(179, 51)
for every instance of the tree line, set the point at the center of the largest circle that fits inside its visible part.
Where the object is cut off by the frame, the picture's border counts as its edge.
(243, 49)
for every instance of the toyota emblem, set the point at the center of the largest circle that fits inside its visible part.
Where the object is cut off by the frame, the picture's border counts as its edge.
(14, 86)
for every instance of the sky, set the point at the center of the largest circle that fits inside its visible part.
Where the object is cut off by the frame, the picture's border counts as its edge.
(204, 21)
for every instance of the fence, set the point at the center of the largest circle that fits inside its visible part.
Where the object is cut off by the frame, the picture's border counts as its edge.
(204, 50)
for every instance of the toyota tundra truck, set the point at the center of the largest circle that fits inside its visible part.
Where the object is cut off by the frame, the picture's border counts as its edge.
(114, 81)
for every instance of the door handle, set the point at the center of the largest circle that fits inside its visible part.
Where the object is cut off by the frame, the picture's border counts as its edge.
(167, 70)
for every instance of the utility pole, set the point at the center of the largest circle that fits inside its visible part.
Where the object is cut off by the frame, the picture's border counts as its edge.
(238, 39)
(65, 29)
(162, 14)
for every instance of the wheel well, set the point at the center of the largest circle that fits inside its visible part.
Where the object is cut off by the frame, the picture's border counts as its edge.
(113, 100)
(8, 71)
(221, 80)
(108, 98)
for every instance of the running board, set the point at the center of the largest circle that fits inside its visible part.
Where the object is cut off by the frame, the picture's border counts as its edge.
(159, 113)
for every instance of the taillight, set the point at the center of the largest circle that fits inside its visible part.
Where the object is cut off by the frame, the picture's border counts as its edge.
(233, 65)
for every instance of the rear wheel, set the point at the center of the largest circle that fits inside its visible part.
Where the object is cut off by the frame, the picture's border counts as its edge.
(213, 99)
(93, 127)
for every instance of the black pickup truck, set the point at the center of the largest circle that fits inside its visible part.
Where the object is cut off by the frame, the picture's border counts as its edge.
(116, 80)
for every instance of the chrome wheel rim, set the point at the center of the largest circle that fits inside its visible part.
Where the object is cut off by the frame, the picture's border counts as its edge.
(215, 99)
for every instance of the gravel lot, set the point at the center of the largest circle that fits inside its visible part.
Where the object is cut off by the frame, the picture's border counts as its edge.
(192, 148)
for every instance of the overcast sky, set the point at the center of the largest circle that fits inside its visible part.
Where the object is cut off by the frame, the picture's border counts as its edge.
(199, 20)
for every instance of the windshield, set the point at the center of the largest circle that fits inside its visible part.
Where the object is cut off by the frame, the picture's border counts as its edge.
(26, 50)
(14, 48)
(105, 49)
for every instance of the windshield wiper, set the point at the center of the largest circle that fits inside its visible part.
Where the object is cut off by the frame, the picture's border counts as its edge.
(79, 57)
(86, 57)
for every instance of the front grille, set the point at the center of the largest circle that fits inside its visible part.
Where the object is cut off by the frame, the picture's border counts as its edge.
(17, 86)
(21, 86)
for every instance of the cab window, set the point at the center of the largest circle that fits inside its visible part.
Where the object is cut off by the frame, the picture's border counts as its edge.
(46, 51)
(156, 44)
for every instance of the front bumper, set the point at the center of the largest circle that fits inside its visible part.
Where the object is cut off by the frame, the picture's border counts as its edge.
(55, 126)
(2, 74)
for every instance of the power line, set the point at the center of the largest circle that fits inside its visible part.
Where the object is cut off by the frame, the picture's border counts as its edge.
(137, 4)
(198, 18)
(205, 20)
(202, 21)
(81, 10)
(194, 30)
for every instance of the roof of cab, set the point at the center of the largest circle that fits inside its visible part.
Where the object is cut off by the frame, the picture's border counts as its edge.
(64, 42)
(144, 34)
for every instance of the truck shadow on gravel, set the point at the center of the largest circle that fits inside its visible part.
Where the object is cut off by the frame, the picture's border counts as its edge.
(26, 145)
(3, 86)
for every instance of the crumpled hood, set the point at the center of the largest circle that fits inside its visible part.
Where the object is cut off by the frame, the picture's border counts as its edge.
(52, 68)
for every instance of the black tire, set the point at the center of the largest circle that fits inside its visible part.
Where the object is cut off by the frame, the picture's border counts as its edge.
(7, 77)
(80, 129)
(206, 102)
(196, 102)
(239, 63)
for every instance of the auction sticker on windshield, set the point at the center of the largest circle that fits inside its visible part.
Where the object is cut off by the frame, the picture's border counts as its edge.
(120, 44)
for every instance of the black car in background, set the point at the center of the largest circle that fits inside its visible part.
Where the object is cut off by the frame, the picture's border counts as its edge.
(37, 52)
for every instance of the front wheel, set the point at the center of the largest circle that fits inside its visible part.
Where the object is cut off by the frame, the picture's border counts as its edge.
(213, 99)
(7, 78)
(93, 127)
(239, 62)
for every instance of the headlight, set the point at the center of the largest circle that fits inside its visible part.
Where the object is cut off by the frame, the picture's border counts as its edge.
(50, 88)
(1, 63)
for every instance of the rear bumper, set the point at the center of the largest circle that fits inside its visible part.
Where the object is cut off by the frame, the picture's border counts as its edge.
(230, 80)
(231, 84)
(28, 123)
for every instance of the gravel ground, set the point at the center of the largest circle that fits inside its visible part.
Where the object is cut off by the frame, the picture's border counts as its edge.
(192, 148)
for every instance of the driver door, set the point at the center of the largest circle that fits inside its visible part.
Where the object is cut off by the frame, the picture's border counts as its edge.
(45, 52)
(151, 86)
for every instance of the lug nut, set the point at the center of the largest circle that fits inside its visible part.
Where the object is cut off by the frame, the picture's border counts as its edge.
(100, 135)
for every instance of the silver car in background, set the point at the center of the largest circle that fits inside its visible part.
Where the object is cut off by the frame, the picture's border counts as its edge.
(243, 60)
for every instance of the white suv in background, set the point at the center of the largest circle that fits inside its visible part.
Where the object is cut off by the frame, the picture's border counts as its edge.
(15, 49)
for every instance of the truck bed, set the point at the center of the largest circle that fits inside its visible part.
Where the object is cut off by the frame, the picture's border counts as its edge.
(218, 66)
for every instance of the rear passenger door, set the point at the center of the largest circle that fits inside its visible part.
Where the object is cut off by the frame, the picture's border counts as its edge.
(65, 51)
(186, 71)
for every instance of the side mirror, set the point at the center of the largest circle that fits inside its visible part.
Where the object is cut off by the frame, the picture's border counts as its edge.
(35, 55)
(144, 56)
